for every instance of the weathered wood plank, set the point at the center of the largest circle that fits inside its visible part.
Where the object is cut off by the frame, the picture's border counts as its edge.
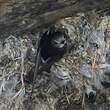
(19, 16)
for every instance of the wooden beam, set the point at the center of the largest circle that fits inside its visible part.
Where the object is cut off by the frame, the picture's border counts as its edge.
(19, 16)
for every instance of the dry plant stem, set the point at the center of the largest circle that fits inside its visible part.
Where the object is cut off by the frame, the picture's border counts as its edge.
(22, 72)
(17, 94)
(22, 65)
(93, 63)
(67, 97)
(83, 99)
(37, 61)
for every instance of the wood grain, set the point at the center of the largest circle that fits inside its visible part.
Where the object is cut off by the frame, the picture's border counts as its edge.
(21, 16)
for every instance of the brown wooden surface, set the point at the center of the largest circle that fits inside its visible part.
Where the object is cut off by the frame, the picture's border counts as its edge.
(19, 16)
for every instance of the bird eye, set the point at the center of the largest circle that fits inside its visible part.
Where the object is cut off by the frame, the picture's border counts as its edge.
(62, 42)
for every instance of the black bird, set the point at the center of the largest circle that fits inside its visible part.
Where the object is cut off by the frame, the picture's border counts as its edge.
(51, 48)
(53, 45)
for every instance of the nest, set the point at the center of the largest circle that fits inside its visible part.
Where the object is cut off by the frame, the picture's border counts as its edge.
(72, 80)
